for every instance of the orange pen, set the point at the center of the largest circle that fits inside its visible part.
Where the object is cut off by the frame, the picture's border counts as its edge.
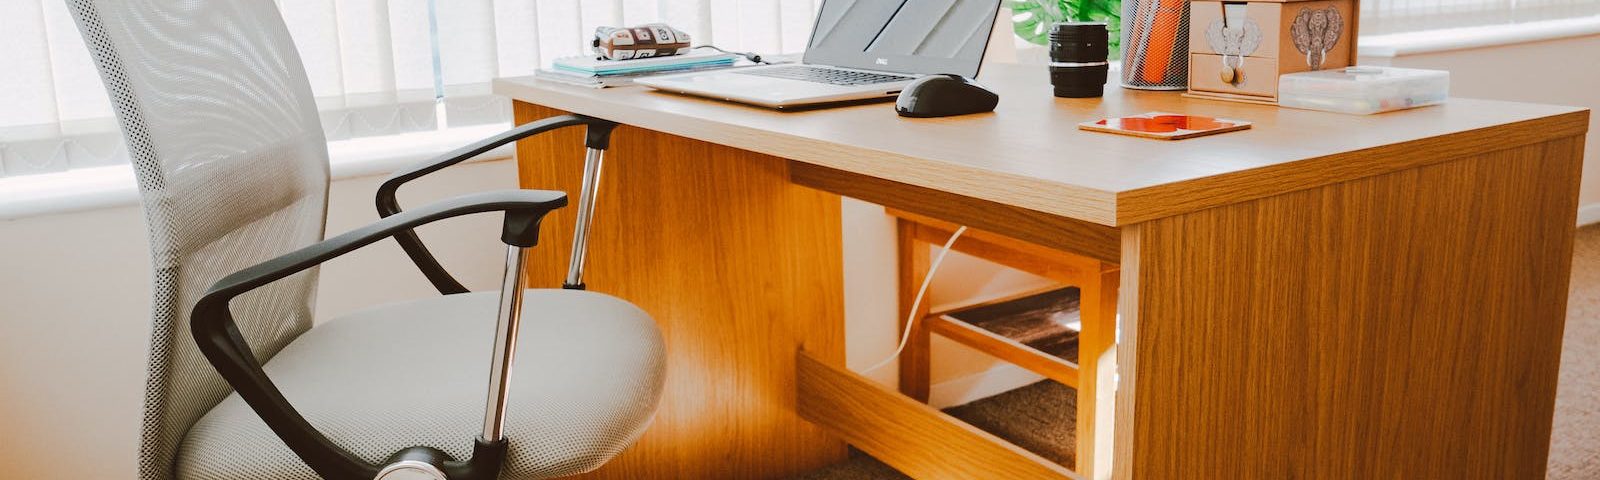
(1163, 38)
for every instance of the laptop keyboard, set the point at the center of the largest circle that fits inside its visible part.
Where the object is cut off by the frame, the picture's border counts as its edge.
(832, 76)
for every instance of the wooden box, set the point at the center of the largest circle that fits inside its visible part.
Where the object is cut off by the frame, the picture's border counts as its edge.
(1237, 50)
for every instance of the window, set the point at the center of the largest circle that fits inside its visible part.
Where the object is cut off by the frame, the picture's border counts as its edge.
(377, 67)
(1379, 17)
(384, 67)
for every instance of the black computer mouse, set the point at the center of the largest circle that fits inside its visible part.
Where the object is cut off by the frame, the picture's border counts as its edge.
(943, 96)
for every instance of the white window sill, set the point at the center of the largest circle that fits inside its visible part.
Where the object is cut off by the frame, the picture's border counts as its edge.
(1444, 40)
(114, 186)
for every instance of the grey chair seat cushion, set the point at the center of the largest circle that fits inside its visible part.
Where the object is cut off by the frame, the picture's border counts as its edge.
(587, 377)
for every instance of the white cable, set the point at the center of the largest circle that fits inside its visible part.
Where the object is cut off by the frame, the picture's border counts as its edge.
(911, 318)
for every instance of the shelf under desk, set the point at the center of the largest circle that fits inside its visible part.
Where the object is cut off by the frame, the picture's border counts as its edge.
(1038, 331)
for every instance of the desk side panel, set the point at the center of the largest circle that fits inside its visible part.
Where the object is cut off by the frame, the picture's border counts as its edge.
(739, 267)
(1406, 325)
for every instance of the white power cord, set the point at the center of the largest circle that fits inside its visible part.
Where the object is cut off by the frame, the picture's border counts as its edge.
(911, 318)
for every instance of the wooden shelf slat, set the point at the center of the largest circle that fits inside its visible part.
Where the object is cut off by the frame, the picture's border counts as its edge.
(958, 307)
(1027, 330)
(1050, 366)
(912, 437)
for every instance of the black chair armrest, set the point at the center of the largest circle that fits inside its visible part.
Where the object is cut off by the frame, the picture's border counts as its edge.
(598, 137)
(219, 339)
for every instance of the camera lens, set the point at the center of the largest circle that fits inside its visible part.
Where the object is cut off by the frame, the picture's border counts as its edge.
(1078, 58)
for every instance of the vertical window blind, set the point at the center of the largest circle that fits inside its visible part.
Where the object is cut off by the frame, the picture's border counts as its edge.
(384, 67)
(1380, 17)
(377, 67)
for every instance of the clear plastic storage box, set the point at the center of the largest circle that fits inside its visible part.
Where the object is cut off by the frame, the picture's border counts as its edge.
(1363, 90)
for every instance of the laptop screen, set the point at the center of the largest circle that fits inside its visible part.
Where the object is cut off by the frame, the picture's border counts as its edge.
(903, 36)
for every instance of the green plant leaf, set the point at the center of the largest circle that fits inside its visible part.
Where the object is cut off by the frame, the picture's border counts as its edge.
(1031, 19)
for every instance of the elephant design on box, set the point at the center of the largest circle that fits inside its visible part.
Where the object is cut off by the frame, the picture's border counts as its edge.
(1315, 31)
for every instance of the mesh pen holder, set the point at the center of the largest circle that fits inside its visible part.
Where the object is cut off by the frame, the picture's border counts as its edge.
(1155, 44)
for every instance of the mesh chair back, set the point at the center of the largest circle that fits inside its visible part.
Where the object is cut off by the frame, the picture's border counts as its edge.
(232, 168)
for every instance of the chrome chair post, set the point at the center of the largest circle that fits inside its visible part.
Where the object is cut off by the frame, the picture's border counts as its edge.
(592, 162)
(505, 343)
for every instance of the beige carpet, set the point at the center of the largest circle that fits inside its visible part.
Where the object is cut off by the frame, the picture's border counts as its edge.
(1038, 417)
(1575, 442)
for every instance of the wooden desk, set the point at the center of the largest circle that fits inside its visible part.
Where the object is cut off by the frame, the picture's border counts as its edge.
(1324, 296)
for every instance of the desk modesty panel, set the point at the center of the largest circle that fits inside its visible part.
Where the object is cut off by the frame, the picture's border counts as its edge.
(1029, 152)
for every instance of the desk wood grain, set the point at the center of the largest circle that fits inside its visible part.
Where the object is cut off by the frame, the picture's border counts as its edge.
(1406, 325)
(1029, 154)
(740, 269)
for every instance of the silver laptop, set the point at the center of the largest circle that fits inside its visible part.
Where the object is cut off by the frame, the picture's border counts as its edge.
(859, 50)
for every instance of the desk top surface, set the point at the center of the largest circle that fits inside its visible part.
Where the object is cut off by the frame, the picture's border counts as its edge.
(1030, 153)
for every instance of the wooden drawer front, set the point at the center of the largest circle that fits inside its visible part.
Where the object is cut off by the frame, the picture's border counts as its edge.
(1260, 76)
(1266, 16)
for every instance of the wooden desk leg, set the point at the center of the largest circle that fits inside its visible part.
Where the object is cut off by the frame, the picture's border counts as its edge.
(1405, 325)
(1097, 368)
(740, 268)
(916, 360)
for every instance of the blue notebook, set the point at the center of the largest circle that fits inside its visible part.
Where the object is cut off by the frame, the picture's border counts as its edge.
(594, 66)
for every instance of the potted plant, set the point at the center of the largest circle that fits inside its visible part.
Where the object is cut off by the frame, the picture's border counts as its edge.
(1031, 19)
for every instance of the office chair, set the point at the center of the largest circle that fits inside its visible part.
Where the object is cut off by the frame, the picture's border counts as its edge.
(233, 172)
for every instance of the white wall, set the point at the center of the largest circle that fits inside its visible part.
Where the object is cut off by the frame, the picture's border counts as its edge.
(959, 374)
(74, 323)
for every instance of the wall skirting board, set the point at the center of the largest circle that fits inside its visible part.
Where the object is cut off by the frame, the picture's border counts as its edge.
(1589, 214)
(1002, 378)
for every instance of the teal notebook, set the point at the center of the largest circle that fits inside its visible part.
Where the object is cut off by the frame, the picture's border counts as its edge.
(593, 66)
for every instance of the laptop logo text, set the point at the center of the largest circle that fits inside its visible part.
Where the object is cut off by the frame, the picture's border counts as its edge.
(883, 61)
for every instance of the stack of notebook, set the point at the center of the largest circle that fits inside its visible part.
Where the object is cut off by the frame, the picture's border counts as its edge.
(597, 73)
